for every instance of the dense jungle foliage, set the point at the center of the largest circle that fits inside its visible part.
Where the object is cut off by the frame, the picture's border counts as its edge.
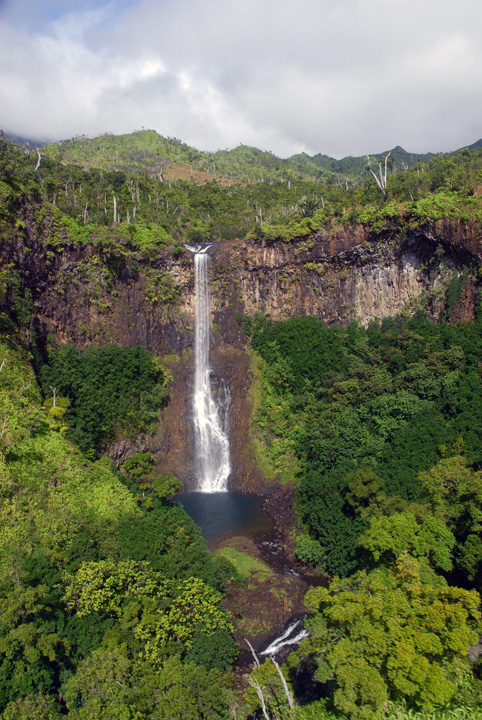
(110, 605)
(395, 398)
(111, 391)
(381, 427)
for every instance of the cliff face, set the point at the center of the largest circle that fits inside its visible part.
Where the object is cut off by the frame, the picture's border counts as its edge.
(347, 275)
(340, 276)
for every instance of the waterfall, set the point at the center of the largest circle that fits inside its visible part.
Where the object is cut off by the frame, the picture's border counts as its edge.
(210, 412)
(287, 637)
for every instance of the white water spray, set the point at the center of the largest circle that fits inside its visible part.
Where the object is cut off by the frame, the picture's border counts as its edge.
(213, 464)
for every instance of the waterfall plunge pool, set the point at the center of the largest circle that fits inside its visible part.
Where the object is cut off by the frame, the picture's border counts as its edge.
(226, 514)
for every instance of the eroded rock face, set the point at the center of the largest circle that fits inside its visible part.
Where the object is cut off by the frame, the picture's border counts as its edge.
(338, 280)
(383, 290)
(339, 276)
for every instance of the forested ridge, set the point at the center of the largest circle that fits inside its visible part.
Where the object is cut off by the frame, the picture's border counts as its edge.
(118, 195)
(110, 605)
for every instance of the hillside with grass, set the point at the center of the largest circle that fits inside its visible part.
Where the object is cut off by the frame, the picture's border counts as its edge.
(145, 151)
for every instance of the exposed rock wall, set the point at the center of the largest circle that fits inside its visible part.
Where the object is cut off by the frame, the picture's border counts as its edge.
(344, 275)
(347, 276)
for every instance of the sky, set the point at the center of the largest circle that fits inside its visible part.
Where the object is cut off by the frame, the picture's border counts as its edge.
(338, 77)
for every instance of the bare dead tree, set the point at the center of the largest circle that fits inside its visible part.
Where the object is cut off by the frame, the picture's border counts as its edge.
(252, 652)
(25, 387)
(39, 157)
(255, 684)
(288, 693)
(26, 332)
(381, 179)
(4, 425)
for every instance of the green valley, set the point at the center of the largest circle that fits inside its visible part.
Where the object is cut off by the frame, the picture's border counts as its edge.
(346, 323)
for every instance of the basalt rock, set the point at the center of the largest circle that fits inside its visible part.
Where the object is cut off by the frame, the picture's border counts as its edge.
(81, 296)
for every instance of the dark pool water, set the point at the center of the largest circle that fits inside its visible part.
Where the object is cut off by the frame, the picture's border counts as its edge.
(223, 515)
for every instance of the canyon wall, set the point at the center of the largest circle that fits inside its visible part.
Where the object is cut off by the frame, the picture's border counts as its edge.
(342, 275)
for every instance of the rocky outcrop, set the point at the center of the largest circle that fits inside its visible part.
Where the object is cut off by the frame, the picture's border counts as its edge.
(85, 295)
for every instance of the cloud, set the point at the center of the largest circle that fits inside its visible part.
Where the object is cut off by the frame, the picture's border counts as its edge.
(341, 78)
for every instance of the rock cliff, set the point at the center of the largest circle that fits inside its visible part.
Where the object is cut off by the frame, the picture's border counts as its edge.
(85, 295)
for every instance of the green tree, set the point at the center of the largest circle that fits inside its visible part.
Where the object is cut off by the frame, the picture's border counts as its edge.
(365, 490)
(32, 707)
(167, 486)
(195, 608)
(454, 493)
(426, 537)
(139, 467)
(110, 684)
(102, 686)
(104, 586)
(392, 633)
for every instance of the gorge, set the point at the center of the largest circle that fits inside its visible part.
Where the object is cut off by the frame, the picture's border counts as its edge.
(343, 275)
(301, 346)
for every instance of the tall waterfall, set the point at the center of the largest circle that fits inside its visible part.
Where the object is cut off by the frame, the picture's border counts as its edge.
(213, 463)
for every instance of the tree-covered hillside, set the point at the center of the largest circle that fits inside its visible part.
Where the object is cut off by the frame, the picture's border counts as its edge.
(120, 197)
(122, 185)
(110, 605)
(145, 151)
(380, 429)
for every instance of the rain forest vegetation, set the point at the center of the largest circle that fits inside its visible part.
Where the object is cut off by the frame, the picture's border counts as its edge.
(369, 414)
(95, 191)
(110, 605)
(380, 430)
(112, 392)
(148, 153)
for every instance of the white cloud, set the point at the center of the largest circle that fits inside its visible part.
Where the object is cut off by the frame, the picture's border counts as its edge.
(448, 56)
(339, 78)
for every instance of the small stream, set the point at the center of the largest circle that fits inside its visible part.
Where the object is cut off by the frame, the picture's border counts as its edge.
(291, 635)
